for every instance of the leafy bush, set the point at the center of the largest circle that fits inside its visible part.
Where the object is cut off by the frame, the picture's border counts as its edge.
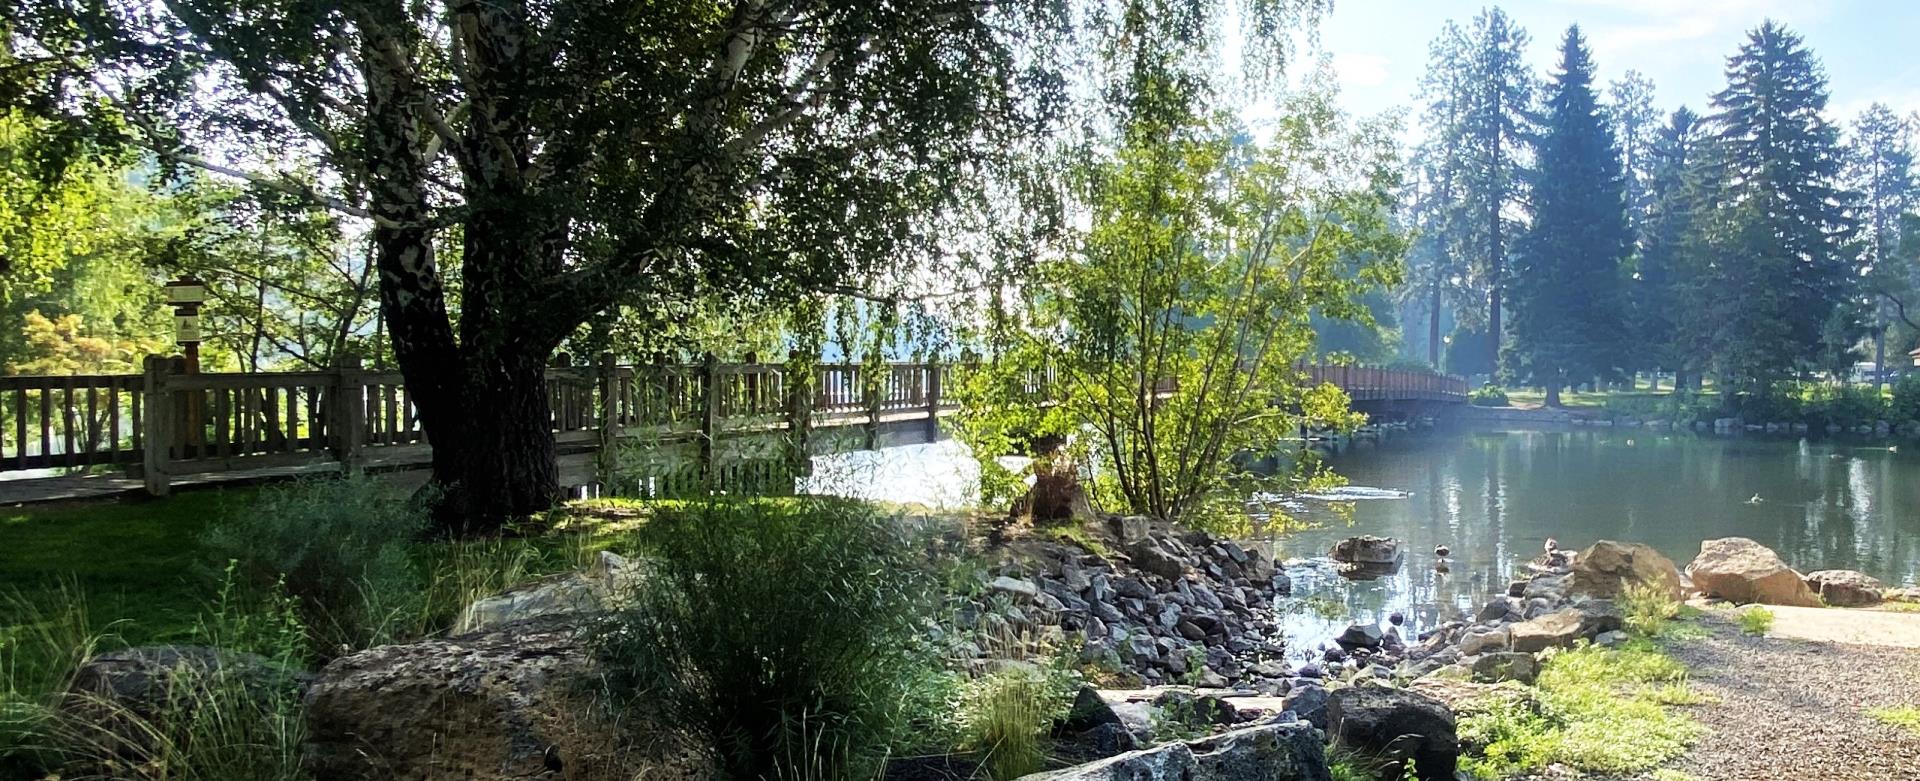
(791, 633)
(341, 548)
(1904, 406)
(1755, 620)
(1488, 395)
(1598, 710)
(1648, 608)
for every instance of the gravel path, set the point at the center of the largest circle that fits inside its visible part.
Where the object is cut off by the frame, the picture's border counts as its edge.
(1790, 709)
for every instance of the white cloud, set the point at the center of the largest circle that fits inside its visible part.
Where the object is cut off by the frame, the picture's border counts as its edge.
(1360, 69)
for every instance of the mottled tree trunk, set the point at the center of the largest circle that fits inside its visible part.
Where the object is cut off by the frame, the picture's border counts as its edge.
(1433, 324)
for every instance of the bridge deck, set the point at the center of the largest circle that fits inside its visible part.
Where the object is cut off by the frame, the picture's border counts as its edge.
(86, 437)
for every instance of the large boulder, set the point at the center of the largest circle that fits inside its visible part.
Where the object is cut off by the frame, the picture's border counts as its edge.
(1845, 587)
(121, 704)
(1396, 725)
(1286, 751)
(1606, 569)
(1740, 570)
(1368, 551)
(1562, 627)
(509, 703)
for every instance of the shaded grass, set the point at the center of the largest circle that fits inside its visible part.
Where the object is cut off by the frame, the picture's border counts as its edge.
(1596, 710)
(137, 560)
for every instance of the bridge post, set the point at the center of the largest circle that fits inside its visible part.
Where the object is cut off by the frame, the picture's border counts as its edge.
(156, 438)
(799, 388)
(349, 414)
(609, 455)
(709, 414)
(933, 398)
(873, 390)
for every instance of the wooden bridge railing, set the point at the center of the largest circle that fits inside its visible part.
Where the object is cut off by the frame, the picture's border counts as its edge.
(354, 417)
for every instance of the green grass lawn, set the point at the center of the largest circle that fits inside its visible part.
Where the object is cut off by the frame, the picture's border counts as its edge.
(134, 559)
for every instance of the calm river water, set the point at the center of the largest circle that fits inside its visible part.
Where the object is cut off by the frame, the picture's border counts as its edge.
(1495, 497)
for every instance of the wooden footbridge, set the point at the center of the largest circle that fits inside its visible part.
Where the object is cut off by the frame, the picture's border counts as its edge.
(84, 436)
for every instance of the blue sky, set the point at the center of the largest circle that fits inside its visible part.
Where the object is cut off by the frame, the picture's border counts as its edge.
(1871, 48)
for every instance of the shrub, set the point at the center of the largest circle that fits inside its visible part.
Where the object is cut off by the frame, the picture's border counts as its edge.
(791, 633)
(1488, 395)
(1755, 620)
(1008, 713)
(340, 548)
(1648, 608)
(1905, 404)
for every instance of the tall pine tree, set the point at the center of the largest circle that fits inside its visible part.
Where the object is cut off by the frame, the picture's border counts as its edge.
(1477, 91)
(1781, 266)
(1495, 127)
(1667, 269)
(1567, 302)
(1880, 168)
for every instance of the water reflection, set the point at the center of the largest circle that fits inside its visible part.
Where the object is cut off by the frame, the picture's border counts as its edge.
(1494, 498)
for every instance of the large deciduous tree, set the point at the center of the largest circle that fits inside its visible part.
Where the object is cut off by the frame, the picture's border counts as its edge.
(565, 155)
(1567, 303)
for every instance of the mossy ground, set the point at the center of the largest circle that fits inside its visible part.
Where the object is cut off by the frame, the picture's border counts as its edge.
(1596, 710)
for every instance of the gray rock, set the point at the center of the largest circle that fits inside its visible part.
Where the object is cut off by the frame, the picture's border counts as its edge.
(1267, 752)
(1358, 635)
(1014, 587)
(1396, 725)
(122, 702)
(1160, 556)
(1481, 640)
(1308, 699)
(1131, 528)
(1368, 550)
(503, 704)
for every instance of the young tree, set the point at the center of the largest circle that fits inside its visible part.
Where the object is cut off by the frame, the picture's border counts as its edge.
(1173, 331)
(1880, 168)
(1780, 227)
(567, 156)
(1567, 302)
